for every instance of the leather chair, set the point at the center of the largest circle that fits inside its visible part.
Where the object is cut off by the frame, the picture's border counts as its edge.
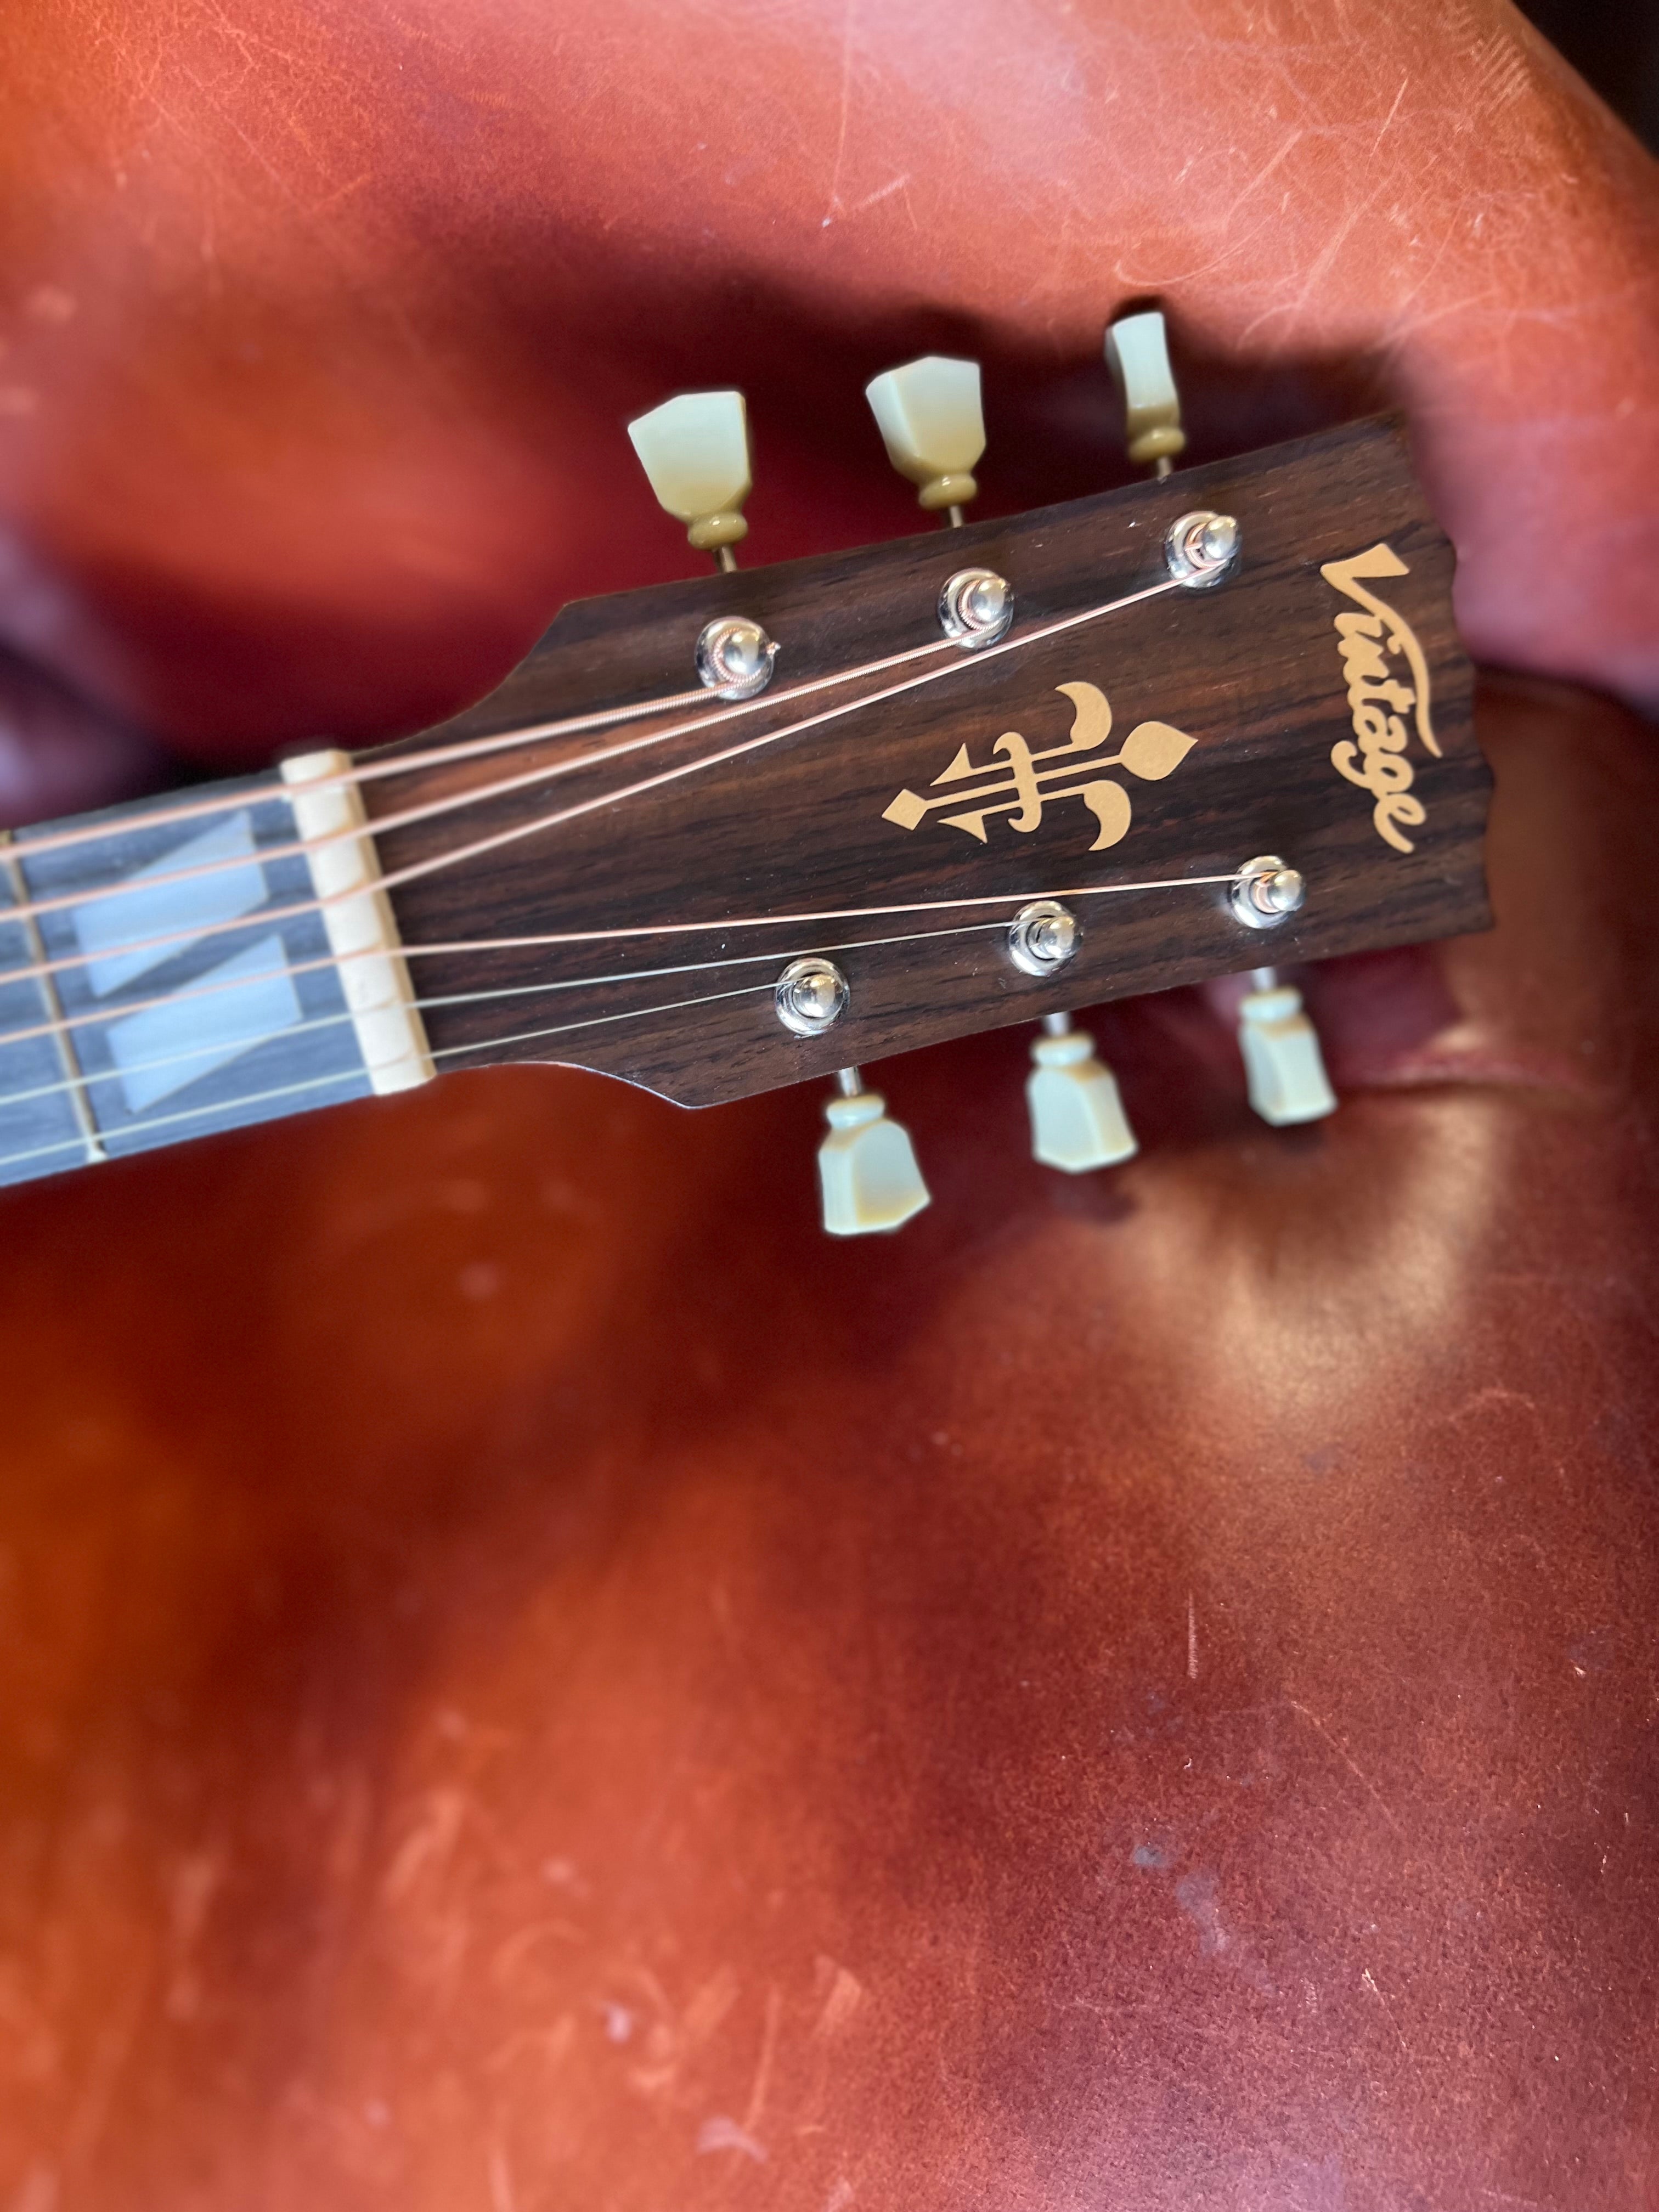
(526, 1678)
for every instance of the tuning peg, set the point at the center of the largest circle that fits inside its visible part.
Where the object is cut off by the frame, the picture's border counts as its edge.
(1138, 354)
(1282, 1059)
(695, 450)
(867, 1168)
(1078, 1121)
(930, 420)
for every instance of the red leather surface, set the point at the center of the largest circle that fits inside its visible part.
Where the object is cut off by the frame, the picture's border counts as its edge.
(527, 1678)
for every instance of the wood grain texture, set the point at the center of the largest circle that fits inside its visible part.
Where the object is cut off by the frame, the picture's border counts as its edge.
(1251, 671)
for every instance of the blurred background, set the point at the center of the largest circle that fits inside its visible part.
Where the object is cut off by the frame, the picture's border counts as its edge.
(1614, 43)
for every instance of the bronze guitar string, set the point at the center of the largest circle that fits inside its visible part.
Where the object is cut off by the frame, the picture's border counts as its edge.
(83, 1083)
(551, 821)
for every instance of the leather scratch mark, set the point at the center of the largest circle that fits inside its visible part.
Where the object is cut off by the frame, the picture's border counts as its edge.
(1499, 65)
(1368, 1978)
(846, 1994)
(757, 2104)
(1357, 1772)
(834, 207)
(1392, 112)
(882, 192)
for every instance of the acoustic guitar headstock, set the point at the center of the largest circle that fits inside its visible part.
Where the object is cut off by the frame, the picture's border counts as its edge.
(777, 823)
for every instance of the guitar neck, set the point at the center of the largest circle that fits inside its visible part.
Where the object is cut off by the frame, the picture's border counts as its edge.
(621, 861)
(193, 963)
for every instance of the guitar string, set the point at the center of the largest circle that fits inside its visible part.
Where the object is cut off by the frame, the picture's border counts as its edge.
(455, 801)
(451, 1052)
(448, 1051)
(281, 790)
(558, 816)
(84, 1082)
(276, 786)
(459, 947)
(327, 1082)
(523, 1036)
(469, 749)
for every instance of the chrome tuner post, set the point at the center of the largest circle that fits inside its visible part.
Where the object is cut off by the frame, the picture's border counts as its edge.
(975, 607)
(1266, 892)
(734, 657)
(1202, 550)
(1284, 1066)
(1043, 936)
(1078, 1121)
(809, 997)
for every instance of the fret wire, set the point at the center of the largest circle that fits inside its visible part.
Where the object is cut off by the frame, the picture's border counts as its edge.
(596, 1021)
(195, 1112)
(85, 1082)
(505, 740)
(588, 806)
(454, 947)
(139, 818)
(324, 1082)
(205, 809)
(80, 1105)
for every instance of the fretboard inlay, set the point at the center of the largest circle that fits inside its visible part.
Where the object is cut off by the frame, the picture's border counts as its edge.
(200, 996)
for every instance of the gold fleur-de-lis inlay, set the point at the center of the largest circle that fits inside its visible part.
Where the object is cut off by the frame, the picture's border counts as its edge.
(1027, 782)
